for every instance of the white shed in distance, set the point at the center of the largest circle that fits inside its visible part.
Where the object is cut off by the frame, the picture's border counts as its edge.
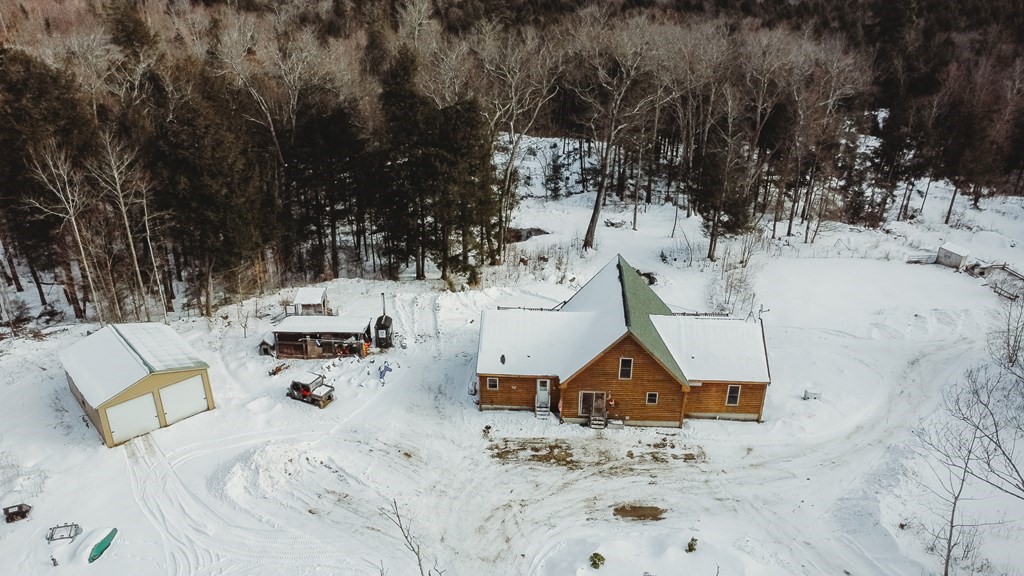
(952, 256)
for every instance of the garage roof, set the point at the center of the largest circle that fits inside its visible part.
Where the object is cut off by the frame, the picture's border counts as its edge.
(107, 362)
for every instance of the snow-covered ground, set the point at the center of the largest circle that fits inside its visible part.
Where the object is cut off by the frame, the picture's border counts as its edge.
(264, 485)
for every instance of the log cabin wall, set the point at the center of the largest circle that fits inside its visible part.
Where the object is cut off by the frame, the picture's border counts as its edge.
(514, 392)
(709, 401)
(629, 395)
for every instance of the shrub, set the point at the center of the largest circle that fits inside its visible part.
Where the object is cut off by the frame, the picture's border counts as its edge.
(692, 545)
(596, 561)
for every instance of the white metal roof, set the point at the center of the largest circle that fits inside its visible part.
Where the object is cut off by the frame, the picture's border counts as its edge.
(603, 293)
(323, 324)
(542, 343)
(710, 348)
(107, 362)
(310, 295)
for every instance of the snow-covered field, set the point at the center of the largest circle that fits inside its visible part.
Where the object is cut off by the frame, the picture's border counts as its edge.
(264, 485)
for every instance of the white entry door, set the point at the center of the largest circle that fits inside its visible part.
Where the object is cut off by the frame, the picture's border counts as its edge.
(132, 418)
(184, 399)
(543, 393)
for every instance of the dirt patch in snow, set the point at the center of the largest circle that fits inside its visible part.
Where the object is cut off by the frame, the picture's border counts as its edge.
(637, 512)
(555, 452)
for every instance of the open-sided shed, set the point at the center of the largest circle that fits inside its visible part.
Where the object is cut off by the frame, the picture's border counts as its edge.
(131, 379)
(322, 336)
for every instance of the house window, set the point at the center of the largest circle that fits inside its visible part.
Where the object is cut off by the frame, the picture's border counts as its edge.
(591, 403)
(732, 397)
(625, 368)
(652, 397)
(492, 383)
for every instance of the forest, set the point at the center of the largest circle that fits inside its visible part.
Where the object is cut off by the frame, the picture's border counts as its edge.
(234, 147)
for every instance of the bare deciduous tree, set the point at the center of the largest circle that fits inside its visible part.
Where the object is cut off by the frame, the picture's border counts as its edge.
(950, 452)
(518, 78)
(409, 539)
(116, 172)
(67, 197)
(989, 402)
(614, 63)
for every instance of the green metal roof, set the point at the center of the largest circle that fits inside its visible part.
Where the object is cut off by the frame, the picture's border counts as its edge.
(640, 303)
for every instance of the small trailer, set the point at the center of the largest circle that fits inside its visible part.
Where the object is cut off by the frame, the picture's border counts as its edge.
(312, 389)
(17, 512)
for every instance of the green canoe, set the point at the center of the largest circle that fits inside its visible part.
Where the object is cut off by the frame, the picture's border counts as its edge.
(102, 546)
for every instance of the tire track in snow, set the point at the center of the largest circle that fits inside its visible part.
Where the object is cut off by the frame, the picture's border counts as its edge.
(201, 538)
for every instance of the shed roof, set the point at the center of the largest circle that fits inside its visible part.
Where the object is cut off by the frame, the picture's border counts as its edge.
(110, 360)
(350, 324)
(716, 348)
(310, 295)
(955, 249)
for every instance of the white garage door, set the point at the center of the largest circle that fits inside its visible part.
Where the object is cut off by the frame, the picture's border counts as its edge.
(184, 399)
(132, 418)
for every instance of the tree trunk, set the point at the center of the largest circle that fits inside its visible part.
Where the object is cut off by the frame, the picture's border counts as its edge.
(9, 254)
(85, 265)
(926, 189)
(135, 264)
(70, 291)
(208, 286)
(39, 285)
(602, 186)
(952, 199)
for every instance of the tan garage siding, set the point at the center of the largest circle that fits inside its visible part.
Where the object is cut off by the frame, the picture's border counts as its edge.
(514, 392)
(91, 413)
(708, 401)
(630, 395)
(148, 385)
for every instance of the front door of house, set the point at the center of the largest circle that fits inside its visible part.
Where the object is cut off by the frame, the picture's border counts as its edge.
(543, 393)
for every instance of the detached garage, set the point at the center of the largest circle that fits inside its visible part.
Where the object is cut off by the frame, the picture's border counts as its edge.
(131, 379)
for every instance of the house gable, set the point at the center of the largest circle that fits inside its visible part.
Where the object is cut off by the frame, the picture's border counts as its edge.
(627, 398)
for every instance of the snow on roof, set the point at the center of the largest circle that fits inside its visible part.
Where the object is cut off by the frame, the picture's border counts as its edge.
(323, 324)
(614, 301)
(955, 249)
(110, 360)
(710, 348)
(160, 347)
(602, 293)
(310, 296)
(542, 343)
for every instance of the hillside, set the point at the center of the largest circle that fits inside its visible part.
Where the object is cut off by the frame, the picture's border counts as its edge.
(266, 485)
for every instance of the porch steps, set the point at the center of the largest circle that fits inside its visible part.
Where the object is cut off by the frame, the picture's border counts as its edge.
(542, 412)
(598, 422)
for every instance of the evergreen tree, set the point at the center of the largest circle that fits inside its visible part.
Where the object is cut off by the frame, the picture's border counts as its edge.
(209, 180)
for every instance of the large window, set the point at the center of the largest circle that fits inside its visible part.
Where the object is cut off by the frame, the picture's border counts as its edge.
(732, 397)
(652, 397)
(625, 368)
(492, 383)
(591, 403)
